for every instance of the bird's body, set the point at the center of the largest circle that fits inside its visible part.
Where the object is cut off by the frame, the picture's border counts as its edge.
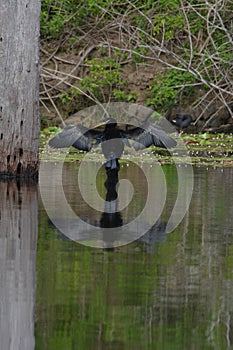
(112, 139)
(113, 145)
(182, 121)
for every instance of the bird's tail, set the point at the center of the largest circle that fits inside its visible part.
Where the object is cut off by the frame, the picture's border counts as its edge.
(112, 164)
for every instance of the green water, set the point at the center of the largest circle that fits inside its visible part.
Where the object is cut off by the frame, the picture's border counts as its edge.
(175, 293)
(163, 291)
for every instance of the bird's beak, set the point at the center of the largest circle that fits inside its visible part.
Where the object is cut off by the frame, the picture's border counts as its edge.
(102, 123)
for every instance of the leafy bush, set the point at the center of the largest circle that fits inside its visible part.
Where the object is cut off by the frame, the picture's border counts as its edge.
(104, 75)
(167, 87)
(189, 36)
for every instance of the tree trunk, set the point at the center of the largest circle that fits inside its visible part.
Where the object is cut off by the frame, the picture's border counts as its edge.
(19, 87)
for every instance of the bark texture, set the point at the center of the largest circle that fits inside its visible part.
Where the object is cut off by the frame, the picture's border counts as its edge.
(19, 87)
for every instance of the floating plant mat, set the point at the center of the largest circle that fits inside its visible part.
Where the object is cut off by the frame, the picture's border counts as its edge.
(200, 149)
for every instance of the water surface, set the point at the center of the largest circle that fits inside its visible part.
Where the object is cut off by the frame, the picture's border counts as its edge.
(164, 291)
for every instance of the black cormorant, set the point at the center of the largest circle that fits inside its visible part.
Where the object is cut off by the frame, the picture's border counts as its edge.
(112, 139)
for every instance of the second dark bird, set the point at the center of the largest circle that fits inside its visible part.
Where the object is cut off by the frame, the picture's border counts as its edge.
(182, 121)
(112, 139)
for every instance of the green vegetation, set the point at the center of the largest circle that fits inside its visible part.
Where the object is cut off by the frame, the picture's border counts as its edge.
(92, 52)
(57, 16)
(166, 88)
(104, 74)
(203, 149)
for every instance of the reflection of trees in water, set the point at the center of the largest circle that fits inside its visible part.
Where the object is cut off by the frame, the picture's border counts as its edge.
(190, 286)
(180, 290)
(18, 238)
(195, 283)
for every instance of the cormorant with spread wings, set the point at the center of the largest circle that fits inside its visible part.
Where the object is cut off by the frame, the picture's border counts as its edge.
(112, 139)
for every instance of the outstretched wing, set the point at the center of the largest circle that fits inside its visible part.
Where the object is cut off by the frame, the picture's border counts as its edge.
(149, 134)
(77, 136)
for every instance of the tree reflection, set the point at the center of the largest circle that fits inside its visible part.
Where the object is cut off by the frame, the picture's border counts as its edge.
(18, 239)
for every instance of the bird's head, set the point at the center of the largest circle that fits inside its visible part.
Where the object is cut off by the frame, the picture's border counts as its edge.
(110, 122)
(184, 117)
(182, 120)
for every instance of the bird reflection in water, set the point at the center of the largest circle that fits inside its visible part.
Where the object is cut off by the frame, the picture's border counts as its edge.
(111, 217)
